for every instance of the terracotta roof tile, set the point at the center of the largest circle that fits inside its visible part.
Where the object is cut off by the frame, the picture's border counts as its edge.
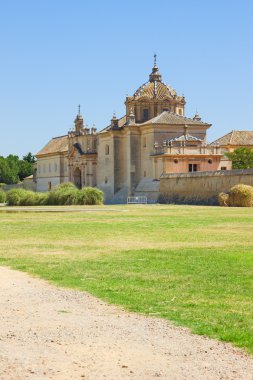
(167, 117)
(56, 145)
(235, 138)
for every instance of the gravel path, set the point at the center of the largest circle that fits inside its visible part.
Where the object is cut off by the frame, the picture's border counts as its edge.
(52, 333)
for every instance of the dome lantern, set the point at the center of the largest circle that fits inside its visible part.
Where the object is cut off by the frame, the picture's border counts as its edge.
(155, 75)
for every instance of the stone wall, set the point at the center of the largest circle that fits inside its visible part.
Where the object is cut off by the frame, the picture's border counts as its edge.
(14, 186)
(203, 185)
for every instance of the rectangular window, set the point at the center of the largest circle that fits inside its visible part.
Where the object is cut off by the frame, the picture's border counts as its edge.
(145, 114)
(49, 186)
(223, 168)
(193, 167)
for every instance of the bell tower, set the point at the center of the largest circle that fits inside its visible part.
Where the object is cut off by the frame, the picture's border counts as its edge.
(79, 121)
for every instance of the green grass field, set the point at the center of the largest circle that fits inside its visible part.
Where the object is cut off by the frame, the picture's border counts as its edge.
(191, 265)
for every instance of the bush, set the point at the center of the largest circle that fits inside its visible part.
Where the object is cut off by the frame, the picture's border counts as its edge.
(65, 186)
(67, 197)
(41, 199)
(90, 196)
(28, 198)
(64, 194)
(223, 199)
(241, 196)
(2, 196)
(21, 197)
(14, 196)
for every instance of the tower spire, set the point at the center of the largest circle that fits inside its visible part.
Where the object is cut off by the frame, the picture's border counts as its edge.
(155, 59)
(79, 109)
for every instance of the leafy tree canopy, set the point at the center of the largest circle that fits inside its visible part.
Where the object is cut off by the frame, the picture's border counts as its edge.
(242, 158)
(13, 170)
(29, 157)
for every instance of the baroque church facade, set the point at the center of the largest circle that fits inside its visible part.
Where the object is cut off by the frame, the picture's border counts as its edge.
(130, 154)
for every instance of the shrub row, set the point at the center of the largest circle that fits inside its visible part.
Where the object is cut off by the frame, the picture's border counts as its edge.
(2, 196)
(238, 196)
(64, 194)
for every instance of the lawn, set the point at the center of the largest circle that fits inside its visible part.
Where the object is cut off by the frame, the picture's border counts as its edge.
(191, 265)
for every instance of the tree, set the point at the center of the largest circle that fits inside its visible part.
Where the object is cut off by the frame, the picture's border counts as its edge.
(242, 158)
(8, 171)
(29, 157)
(25, 169)
(13, 170)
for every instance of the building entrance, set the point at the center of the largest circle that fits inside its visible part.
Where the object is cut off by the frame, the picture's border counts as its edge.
(78, 178)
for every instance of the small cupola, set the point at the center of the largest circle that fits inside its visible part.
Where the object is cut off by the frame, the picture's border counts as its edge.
(114, 122)
(197, 117)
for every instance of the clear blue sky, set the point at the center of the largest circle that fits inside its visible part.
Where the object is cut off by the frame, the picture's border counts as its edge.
(56, 54)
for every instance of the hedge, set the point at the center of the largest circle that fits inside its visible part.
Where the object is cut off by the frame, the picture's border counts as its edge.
(2, 196)
(64, 194)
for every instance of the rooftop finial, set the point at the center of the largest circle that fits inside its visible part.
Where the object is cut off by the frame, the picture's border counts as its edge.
(155, 75)
(197, 116)
(79, 109)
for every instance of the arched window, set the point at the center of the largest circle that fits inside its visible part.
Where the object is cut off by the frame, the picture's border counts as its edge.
(107, 149)
(144, 142)
(180, 112)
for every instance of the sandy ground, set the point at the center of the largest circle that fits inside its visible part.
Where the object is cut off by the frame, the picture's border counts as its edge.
(53, 333)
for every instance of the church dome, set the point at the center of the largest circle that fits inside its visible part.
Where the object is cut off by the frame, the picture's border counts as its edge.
(155, 88)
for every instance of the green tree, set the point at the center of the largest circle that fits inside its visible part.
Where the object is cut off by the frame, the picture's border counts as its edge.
(242, 158)
(8, 170)
(13, 170)
(25, 169)
(29, 157)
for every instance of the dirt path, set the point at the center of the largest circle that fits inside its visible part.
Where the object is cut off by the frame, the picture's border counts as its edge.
(52, 333)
